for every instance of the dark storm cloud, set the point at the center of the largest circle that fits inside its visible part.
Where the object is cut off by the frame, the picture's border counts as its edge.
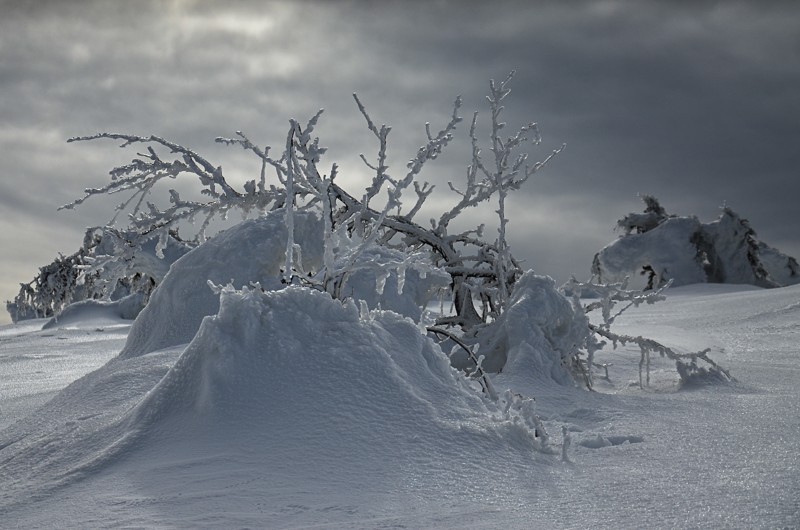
(693, 101)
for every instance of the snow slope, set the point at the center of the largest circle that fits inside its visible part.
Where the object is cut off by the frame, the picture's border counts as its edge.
(356, 423)
(36, 363)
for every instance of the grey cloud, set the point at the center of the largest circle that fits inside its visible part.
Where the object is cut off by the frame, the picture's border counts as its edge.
(693, 101)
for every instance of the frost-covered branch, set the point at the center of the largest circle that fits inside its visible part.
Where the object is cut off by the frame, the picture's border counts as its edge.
(488, 274)
(508, 173)
(609, 296)
(140, 176)
(110, 265)
(686, 363)
(481, 373)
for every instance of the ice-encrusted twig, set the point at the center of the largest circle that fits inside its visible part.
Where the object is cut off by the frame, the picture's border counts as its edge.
(647, 346)
(610, 296)
(484, 379)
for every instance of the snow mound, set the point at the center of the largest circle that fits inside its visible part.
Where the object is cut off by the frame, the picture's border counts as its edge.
(538, 329)
(732, 253)
(668, 249)
(682, 249)
(298, 365)
(252, 251)
(288, 387)
(98, 311)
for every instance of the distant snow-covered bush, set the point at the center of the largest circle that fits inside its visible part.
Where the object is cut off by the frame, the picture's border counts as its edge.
(684, 251)
(111, 265)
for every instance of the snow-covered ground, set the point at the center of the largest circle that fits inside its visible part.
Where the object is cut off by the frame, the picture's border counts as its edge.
(351, 424)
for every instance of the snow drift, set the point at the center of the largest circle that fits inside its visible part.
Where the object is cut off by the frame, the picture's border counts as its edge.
(290, 387)
(307, 367)
(251, 251)
(126, 308)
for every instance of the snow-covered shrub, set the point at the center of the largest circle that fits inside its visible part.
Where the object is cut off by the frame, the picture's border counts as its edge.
(125, 262)
(684, 250)
(52, 289)
(730, 252)
(110, 265)
(783, 269)
(538, 323)
(362, 247)
(478, 268)
(664, 253)
(608, 296)
(654, 214)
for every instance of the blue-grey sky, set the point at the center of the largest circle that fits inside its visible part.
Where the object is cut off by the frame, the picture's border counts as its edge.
(695, 102)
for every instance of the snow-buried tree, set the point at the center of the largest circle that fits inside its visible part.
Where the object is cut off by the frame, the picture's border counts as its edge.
(682, 250)
(366, 248)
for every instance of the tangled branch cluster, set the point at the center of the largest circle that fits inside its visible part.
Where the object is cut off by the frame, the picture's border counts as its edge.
(480, 269)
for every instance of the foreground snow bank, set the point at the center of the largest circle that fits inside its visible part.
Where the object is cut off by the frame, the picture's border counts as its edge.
(303, 363)
(291, 387)
(247, 449)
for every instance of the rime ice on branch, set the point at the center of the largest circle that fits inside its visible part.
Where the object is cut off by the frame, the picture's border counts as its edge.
(479, 269)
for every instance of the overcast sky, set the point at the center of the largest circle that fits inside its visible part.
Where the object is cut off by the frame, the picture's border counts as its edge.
(695, 102)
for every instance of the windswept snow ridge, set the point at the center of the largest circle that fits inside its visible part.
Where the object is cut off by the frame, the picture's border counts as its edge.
(291, 389)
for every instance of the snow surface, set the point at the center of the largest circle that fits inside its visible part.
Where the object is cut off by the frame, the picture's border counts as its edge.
(288, 409)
